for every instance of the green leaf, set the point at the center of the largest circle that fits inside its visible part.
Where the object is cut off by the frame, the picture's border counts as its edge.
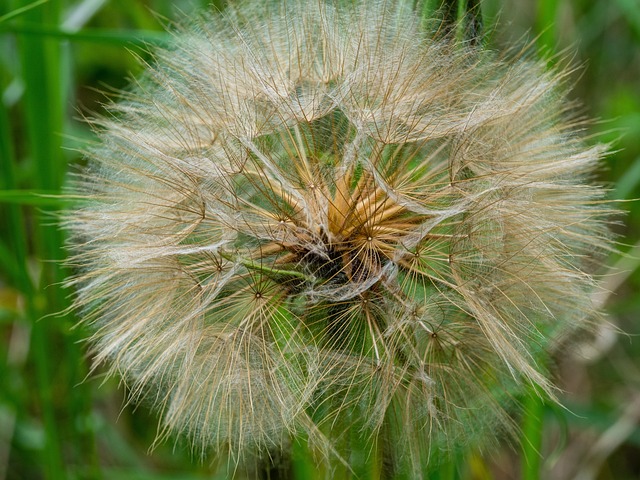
(116, 37)
(19, 11)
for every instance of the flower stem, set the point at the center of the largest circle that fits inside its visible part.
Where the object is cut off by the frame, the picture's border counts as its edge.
(532, 435)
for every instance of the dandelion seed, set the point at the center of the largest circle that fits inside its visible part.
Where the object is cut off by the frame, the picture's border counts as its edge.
(306, 221)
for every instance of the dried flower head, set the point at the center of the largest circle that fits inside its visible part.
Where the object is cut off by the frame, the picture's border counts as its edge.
(320, 220)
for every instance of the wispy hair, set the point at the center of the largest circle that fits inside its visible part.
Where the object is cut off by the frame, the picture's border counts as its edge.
(317, 220)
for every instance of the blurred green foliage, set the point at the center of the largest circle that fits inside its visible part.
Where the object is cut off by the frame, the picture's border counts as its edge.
(58, 421)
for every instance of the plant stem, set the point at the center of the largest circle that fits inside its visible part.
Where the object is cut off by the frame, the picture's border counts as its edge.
(532, 436)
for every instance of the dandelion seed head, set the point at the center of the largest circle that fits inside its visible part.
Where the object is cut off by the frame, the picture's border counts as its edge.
(309, 218)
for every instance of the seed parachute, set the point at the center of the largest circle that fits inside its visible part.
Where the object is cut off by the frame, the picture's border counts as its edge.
(319, 221)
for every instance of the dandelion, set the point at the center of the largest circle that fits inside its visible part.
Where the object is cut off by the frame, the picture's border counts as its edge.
(321, 221)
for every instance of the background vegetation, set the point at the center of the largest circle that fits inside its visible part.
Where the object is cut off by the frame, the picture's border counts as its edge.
(55, 57)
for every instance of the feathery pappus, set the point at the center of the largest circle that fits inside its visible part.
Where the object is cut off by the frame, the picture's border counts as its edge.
(319, 220)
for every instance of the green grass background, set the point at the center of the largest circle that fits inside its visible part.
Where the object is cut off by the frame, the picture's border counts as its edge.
(57, 423)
